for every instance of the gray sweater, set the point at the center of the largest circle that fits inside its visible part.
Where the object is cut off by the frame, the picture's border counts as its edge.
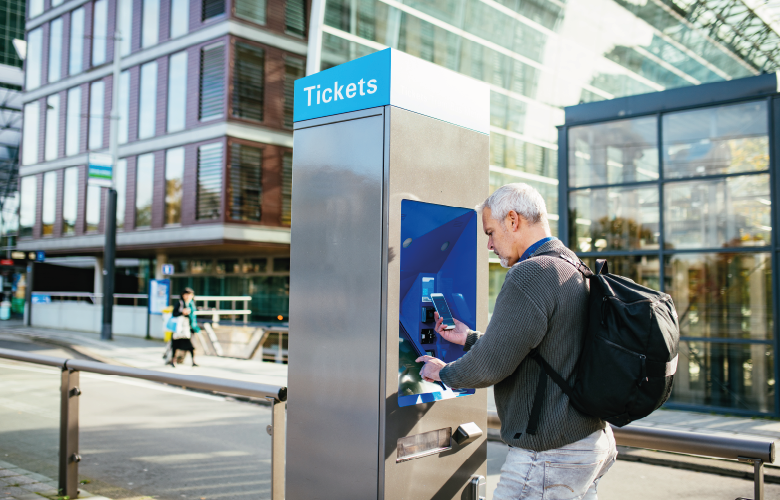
(543, 303)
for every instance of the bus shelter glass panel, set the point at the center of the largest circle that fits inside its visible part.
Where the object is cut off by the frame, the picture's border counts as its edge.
(722, 295)
(718, 140)
(617, 218)
(726, 212)
(735, 376)
(438, 272)
(614, 152)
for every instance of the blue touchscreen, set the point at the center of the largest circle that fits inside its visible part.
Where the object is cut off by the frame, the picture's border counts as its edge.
(438, 255)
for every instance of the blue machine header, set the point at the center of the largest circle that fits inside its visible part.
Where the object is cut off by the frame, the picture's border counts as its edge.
(396, 78)
(360, 84)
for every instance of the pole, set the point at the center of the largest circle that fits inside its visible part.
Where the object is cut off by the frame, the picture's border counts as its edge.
(109, 252)
(28, 291)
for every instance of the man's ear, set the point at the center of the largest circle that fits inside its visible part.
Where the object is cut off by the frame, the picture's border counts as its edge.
(513, 218)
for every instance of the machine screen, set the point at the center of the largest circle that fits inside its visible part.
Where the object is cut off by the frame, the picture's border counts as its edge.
(438, 267)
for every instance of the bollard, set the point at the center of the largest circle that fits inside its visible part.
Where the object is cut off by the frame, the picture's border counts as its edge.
(69, 434)
(277, 432)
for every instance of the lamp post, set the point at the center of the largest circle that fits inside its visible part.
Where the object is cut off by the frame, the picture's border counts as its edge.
(109, 252)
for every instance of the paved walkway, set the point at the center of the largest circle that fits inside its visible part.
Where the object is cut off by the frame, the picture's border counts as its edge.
(131, 351)
(20, 484)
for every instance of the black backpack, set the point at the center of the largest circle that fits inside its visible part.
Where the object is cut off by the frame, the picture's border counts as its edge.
(629, 354)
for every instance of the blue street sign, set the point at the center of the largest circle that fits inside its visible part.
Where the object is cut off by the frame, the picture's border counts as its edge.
(40, 256)
(167, 269)
(41, 298)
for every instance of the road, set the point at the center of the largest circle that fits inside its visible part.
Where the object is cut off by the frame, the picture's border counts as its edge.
(139, 439)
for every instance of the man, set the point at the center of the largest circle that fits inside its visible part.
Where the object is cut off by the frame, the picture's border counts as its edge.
(543, 305)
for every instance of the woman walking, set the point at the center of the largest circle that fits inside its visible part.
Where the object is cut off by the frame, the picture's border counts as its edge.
(188, 324)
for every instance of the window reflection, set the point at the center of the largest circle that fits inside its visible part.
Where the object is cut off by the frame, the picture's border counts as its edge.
(643, 269)
(177, 92)
(719, 140)
(147, 108)
(124, 106)
(73, 122)
(229, 266)
(70, 196)
(120, 184)
(96, 114)
(738, 376)
(76, 42)
(126, 25)
(150, 29)
(93, 208)
(174, 175)
(27, 208)
(180, 18)
(56, 42)
(143, 190)
(32, 118)
(49, 209)
(722, 295)
(51, 150)
(614, 219)
(99, 32)
(730, 212)
(34, 59)
(613, 152)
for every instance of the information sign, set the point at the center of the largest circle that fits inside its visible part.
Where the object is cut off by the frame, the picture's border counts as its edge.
(41, 298)
(167, 269)
(100, 170)
(159, 295)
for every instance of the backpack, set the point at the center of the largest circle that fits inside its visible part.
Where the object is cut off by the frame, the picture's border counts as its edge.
(629, 354)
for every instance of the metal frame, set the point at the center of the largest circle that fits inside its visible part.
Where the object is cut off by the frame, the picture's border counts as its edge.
(756, 451)
(755, 89)
(69, 409)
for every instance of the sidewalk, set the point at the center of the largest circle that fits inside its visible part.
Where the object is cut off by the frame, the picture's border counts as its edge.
(140, 353)
(20, 484)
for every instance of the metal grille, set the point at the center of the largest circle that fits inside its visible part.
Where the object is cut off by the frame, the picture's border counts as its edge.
(248, 80)
(246, 182)
(212, 81)
(293, 69)
(209, 180)
(295, 18)
(251, 10)
(213, 8)
(287, 188)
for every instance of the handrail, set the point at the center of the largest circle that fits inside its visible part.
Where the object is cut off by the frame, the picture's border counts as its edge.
(28, 357)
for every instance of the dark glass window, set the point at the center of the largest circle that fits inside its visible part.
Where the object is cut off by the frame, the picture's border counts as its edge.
(213, 8)
(209, 180)
(287, 188)
(293, 69)
(295, 18)
(212, 81)
(281, 265)
(255, 265)
(227, 266)
(248, 79)
(246, 181)
(251, 10)
(174, 177)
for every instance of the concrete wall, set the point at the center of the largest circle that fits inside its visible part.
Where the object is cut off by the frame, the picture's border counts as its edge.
(84, 317)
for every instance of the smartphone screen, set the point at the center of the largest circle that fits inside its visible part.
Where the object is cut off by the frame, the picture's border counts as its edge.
(443, 309)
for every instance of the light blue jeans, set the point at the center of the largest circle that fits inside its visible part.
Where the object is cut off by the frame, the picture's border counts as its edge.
(571, 472)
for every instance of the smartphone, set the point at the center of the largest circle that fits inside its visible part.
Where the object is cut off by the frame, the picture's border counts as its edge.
(444, 310)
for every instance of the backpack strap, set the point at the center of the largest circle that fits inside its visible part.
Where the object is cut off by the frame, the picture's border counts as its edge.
(541, 388)
(581, 267)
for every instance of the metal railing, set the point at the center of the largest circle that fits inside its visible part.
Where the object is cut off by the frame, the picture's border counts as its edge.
(92, 297)
(69, 409)
(757, 451)
(217, 311)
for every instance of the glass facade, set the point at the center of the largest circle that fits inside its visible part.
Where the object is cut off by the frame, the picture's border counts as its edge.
(49, 210)
(144, 183)
(97, 115)
(34, 59)
(93, 208)
(27, 207)
(70, 200)
(51, 149)
(13, 15)
(32, 118)
(177, 100)
(180, 17)
(120, 184)
(147, 107)
(688, 212)
(174, 176)
(76, 57)
(99, 32)
(73, 122)
(56, 43)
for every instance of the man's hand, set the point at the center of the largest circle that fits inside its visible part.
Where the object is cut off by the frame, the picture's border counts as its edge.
(457, 335)
(431, 368)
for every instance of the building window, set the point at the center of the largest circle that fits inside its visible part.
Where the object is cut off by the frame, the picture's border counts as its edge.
(213, 8)
(49, 211)
(29, 201)
(174, 175)
(126, 26)
(295, 18)
(120, 184)
(209, 181)
(287, 188)
(212, 82)
(73, 122)
(96, 114)
(124, 106)
(246, 181)
(93, 207)
(32, 118)
(76, 60)
(144, 179)
(99, 32)
(70, 200)
(36, 8)
(150, 29)
(147, 107)
(55, 3)
(248, 79)
(251, 10)
(51, 150)
(293, 69)
(55, 50)
(180, 18)
(34, 58)
(177, 92)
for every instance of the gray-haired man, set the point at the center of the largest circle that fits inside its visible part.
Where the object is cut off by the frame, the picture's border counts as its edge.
(542, 304)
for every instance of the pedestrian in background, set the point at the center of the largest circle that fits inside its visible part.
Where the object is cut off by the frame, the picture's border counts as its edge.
(184, 310)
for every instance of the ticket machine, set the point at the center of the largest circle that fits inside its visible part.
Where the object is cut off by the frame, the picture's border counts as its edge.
(390, 158)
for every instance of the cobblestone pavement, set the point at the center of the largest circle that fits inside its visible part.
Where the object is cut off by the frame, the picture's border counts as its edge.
(21, 484)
